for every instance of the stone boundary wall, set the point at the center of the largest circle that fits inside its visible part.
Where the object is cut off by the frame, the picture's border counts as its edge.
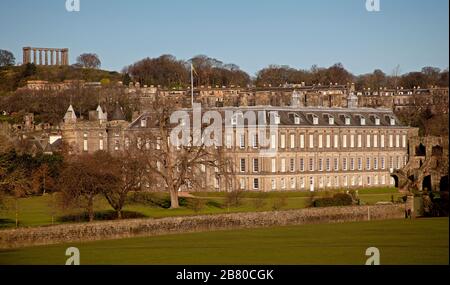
(70, 233)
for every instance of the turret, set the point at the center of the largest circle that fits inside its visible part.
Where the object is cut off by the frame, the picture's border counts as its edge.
(118, 114)
(102, 116)
(70, 117)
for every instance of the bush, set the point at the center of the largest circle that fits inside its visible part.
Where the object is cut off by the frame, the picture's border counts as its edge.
(353, 194)
(339, 199)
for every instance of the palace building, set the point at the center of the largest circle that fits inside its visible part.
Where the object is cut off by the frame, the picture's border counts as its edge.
(315, 148)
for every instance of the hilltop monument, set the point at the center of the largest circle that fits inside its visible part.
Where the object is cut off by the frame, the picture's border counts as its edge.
(46, 56)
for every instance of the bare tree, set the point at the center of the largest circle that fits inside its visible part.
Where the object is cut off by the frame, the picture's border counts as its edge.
(130, 170)
(42, 180)
(171, 167)
(83, 179)
(396, 75)
(89, 60)
(17, 185)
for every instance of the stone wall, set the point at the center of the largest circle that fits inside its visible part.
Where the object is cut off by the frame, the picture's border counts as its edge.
(428, 156)
(70, 233)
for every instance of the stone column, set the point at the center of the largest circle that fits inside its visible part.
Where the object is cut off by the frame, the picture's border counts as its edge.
(52, 62)
(57, 56)
(40, 56)
(46, 56)
(67, 57)
(34, 56)
(26, 56)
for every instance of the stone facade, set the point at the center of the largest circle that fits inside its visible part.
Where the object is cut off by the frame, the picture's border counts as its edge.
(314, 148)
(329, 96)
(43, 85)
(427, 168)
(406, 99)
(96, 134)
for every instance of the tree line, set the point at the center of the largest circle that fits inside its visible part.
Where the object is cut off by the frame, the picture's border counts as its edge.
(76, 180)
(278, 75)
(170, 72)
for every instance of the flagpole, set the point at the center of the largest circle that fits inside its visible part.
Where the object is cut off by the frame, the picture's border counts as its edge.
(192, 86)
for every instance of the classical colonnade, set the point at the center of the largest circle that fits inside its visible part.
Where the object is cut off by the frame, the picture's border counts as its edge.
(46, 56)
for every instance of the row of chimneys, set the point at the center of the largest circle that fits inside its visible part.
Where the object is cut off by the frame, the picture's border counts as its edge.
(138, 85)
(398, 88)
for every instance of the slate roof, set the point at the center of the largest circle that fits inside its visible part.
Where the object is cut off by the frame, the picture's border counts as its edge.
(117, 114)
(287, 115)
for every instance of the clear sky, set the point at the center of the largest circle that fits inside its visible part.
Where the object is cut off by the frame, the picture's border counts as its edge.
(249, 33)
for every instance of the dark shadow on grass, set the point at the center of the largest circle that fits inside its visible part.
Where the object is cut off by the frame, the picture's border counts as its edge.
(215, 204)
(7, 223)
(100, 216)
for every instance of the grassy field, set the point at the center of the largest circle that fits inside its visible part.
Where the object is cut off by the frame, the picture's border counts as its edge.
(38, 211)
(420, 241)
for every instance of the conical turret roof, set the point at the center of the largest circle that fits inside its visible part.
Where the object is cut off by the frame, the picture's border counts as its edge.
(118, 114)
(70, 114)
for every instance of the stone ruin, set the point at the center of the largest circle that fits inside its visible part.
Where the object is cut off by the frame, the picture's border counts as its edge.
(427, 168)
(46, 56)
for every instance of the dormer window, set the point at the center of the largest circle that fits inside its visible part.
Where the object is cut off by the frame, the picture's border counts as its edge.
(377, 121)
(363, 121)
(392, 121)
(295, 117)
(330, 120)
(276, 117)
(143, 123)
(315, 120)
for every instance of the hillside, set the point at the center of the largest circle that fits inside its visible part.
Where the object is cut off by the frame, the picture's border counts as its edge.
(14, 77)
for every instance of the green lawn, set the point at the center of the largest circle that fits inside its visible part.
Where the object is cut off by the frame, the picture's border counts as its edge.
(38, 211)
(420, 241)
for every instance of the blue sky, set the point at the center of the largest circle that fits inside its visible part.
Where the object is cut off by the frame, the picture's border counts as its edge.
(250, 33)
